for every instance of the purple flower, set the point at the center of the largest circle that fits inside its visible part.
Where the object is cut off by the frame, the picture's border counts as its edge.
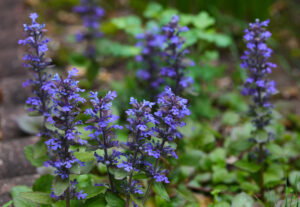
(38, 64)
(91, 14)
(170, 114)
(65, 111)
(257, 66)
(174, 54)
(151, 44)
(103, 128)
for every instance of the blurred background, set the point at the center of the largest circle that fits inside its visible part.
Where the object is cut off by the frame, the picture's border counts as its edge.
(215, 49)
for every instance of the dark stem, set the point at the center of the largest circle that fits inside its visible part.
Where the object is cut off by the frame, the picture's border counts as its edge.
(68, 197)
(110, 177)
(107, 166)
(130, 178)
(152, 180)
(259, 126)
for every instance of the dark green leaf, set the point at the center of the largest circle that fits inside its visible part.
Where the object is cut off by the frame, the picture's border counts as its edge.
(43, 184)
(114, 200)
(242, 200)
(84, 156)
(248, 166)
(161, 191)
(60, 185)
(37, 197)
(18, 200)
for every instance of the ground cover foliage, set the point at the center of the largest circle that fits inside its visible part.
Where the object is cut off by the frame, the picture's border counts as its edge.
(195, 141)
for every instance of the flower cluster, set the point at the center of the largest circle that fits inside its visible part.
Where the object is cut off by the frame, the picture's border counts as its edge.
(151, 44)
(139, 118)
(174, 54)
(172, 110)
(102, 130)
(255, 61)
(91, 14)
(66, 100)
(37, 64)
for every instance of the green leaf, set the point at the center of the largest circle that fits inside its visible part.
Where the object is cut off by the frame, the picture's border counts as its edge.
(161, 191)
(221, 175)
(78, 59)
(140, 176)
(130, 24)
(222, 204)
(218, 155)
(203, 20)
(30, 124)
(153, 10)
(242, 200)
(98, 201)
(84, 156)
(59, 185)
(119, 173)
(18, 200)
(8, 204)
(114, 200)
(78, 169)
(247, 166)
(43, 184)
(36, 154)
(230, 118)
(93, 191)
(294, 178)
(37, 197)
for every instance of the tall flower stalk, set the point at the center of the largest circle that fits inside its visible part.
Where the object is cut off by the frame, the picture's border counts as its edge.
(151, 44)
(139, 119)
(259, 87)
(102, 130)
(169, 117)
(38, 64)
(66, 100)
(174, 54)
(91, 14)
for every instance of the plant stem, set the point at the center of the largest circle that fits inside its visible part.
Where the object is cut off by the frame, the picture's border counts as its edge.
(152, 180)
(261, 172)
(130, 178)
(68, 197)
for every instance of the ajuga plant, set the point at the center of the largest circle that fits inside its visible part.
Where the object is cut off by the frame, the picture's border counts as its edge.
(91, 14)
(151, 44)
(259, 87)
(38, 64)
(102, 131)
(169, 117)
(66, 99)
(139, 119)
(174, 55)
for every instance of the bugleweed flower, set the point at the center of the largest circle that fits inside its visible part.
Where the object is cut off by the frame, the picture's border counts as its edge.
(172, 110)
(91, 14)
(66, 99)
(174, 54)
(169, 117)
(139, 118)
(258, 86)
(37, 63)
(102, 130)
(255, 61)
(151, 44)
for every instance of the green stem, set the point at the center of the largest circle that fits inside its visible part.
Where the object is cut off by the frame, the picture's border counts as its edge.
(261, 172)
